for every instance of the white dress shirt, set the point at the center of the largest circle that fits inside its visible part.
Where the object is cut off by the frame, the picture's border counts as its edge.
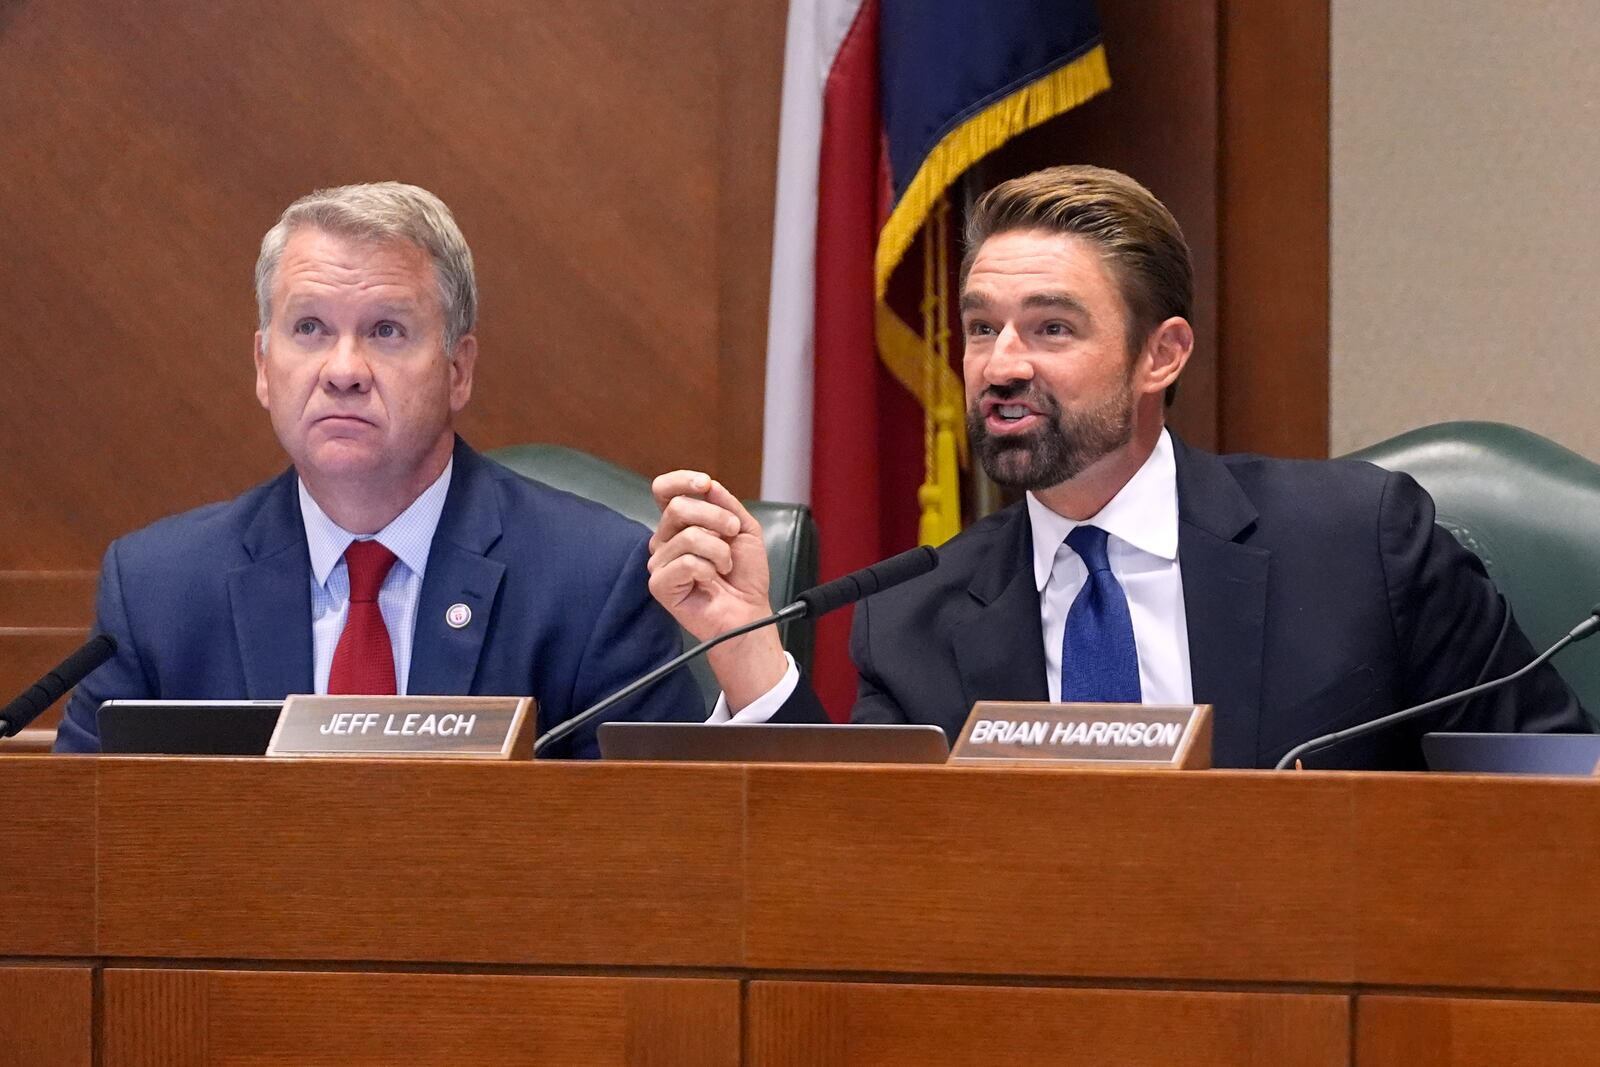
(1141, 522)
(1142, 546)
(409, 536)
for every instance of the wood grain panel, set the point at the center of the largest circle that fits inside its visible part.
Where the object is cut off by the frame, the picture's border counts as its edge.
(155, 1018)
(751, 49)
(26, 654)
(834, 1025)
(239, 1018)
(46, 1016)
(1185, 876)
(49, 858)
(47, 598)
(669, 1024)
(1158, 123)
(1478, 882)
(510, 863)
(44, 617)
(1274, 228)
(1443, 1032)
(33, 741)
(31, 651)
(585, 148)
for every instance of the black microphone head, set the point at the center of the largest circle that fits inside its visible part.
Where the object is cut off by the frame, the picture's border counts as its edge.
(830, 596)
(912, 563)
(95, 651)
(47, 690)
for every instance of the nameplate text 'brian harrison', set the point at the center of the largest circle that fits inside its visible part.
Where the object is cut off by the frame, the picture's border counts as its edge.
(1103, 735)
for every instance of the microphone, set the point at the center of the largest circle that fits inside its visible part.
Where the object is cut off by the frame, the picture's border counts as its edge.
(1587, 628)
(857, 585)
(818, 600)
(47, 690)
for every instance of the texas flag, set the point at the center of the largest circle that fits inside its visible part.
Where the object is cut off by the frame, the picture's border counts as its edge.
(886, 103)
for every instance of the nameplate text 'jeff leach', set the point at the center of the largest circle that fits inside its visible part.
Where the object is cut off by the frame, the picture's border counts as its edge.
(393, 727)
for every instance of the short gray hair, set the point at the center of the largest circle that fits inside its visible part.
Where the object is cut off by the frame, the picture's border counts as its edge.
(378, 212)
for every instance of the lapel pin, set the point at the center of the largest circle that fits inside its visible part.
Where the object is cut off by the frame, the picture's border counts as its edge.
(458, 615)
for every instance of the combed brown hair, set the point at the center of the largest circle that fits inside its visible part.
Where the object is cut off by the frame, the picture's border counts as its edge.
(1134, 231)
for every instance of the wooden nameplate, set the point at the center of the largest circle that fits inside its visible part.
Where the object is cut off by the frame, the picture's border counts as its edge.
(1143, 736)
(410, 727)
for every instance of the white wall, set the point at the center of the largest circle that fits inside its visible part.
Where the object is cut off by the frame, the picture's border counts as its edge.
(1465, 217)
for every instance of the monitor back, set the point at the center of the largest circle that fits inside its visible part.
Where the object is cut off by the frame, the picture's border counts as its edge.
(187, 727)
(773, 742)
(1559, 754)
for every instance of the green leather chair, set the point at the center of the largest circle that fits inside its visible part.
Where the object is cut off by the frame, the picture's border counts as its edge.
(788, 530)
(1530, 510)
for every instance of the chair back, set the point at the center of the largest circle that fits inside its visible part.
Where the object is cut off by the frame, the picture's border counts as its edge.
(788, 531)
(1530, 510)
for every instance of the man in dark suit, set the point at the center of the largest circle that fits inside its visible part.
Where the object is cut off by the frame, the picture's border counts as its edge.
(1295, 597)
(391, 558)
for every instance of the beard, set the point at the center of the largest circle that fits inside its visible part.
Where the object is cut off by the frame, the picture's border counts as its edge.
(1063, 446)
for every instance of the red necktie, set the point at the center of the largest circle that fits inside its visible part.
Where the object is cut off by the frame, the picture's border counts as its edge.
(363, 661)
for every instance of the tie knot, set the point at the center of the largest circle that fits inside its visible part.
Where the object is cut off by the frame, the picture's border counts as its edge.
(1089, 542)
(368, 563)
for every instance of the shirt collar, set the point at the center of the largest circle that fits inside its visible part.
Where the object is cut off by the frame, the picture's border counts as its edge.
(409, 535)
(1143, 514)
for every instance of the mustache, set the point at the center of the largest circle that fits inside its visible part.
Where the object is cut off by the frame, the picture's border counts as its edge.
(1019, 392)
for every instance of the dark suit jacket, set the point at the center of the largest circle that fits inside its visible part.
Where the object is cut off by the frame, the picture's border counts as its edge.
(1317, 594)
(216, 604)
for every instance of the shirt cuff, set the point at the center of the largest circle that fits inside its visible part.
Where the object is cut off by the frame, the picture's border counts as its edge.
(763, 707)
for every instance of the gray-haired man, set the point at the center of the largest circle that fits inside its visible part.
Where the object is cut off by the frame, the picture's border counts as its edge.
(391, 558)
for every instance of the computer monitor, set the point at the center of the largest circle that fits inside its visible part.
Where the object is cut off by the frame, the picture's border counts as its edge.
(1478, 753)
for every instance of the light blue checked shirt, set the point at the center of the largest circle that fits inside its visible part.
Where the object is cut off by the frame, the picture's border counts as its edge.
(409, 537)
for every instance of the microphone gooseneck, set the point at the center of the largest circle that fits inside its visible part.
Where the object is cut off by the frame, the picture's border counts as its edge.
(818, 600)
(1587, 628)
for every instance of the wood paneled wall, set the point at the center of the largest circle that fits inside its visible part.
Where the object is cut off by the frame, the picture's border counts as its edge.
(1221, 108)
(606, 160)
(1273, 192)
(610, 162)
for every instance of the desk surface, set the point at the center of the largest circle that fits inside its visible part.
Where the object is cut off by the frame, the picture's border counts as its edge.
(821, 891)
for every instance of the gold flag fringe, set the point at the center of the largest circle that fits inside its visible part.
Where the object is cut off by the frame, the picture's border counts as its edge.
(922, 363)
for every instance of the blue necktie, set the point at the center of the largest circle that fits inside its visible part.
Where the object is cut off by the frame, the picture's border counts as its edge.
(1099, 661)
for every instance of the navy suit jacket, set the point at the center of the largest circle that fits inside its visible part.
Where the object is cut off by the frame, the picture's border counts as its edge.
(215, 604)
(1317, 595)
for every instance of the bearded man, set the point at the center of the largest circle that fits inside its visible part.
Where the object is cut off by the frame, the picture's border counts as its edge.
(1295, 597)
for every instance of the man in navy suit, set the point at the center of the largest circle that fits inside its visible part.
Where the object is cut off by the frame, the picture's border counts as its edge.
(391, 558)
(1296, 597)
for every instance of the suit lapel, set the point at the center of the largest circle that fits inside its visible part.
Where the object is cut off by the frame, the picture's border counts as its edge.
(444, 658)
(270, 598)
(999, 649)
(1224, 600)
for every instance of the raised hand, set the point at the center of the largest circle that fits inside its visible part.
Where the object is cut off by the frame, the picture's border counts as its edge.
(708, 567)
